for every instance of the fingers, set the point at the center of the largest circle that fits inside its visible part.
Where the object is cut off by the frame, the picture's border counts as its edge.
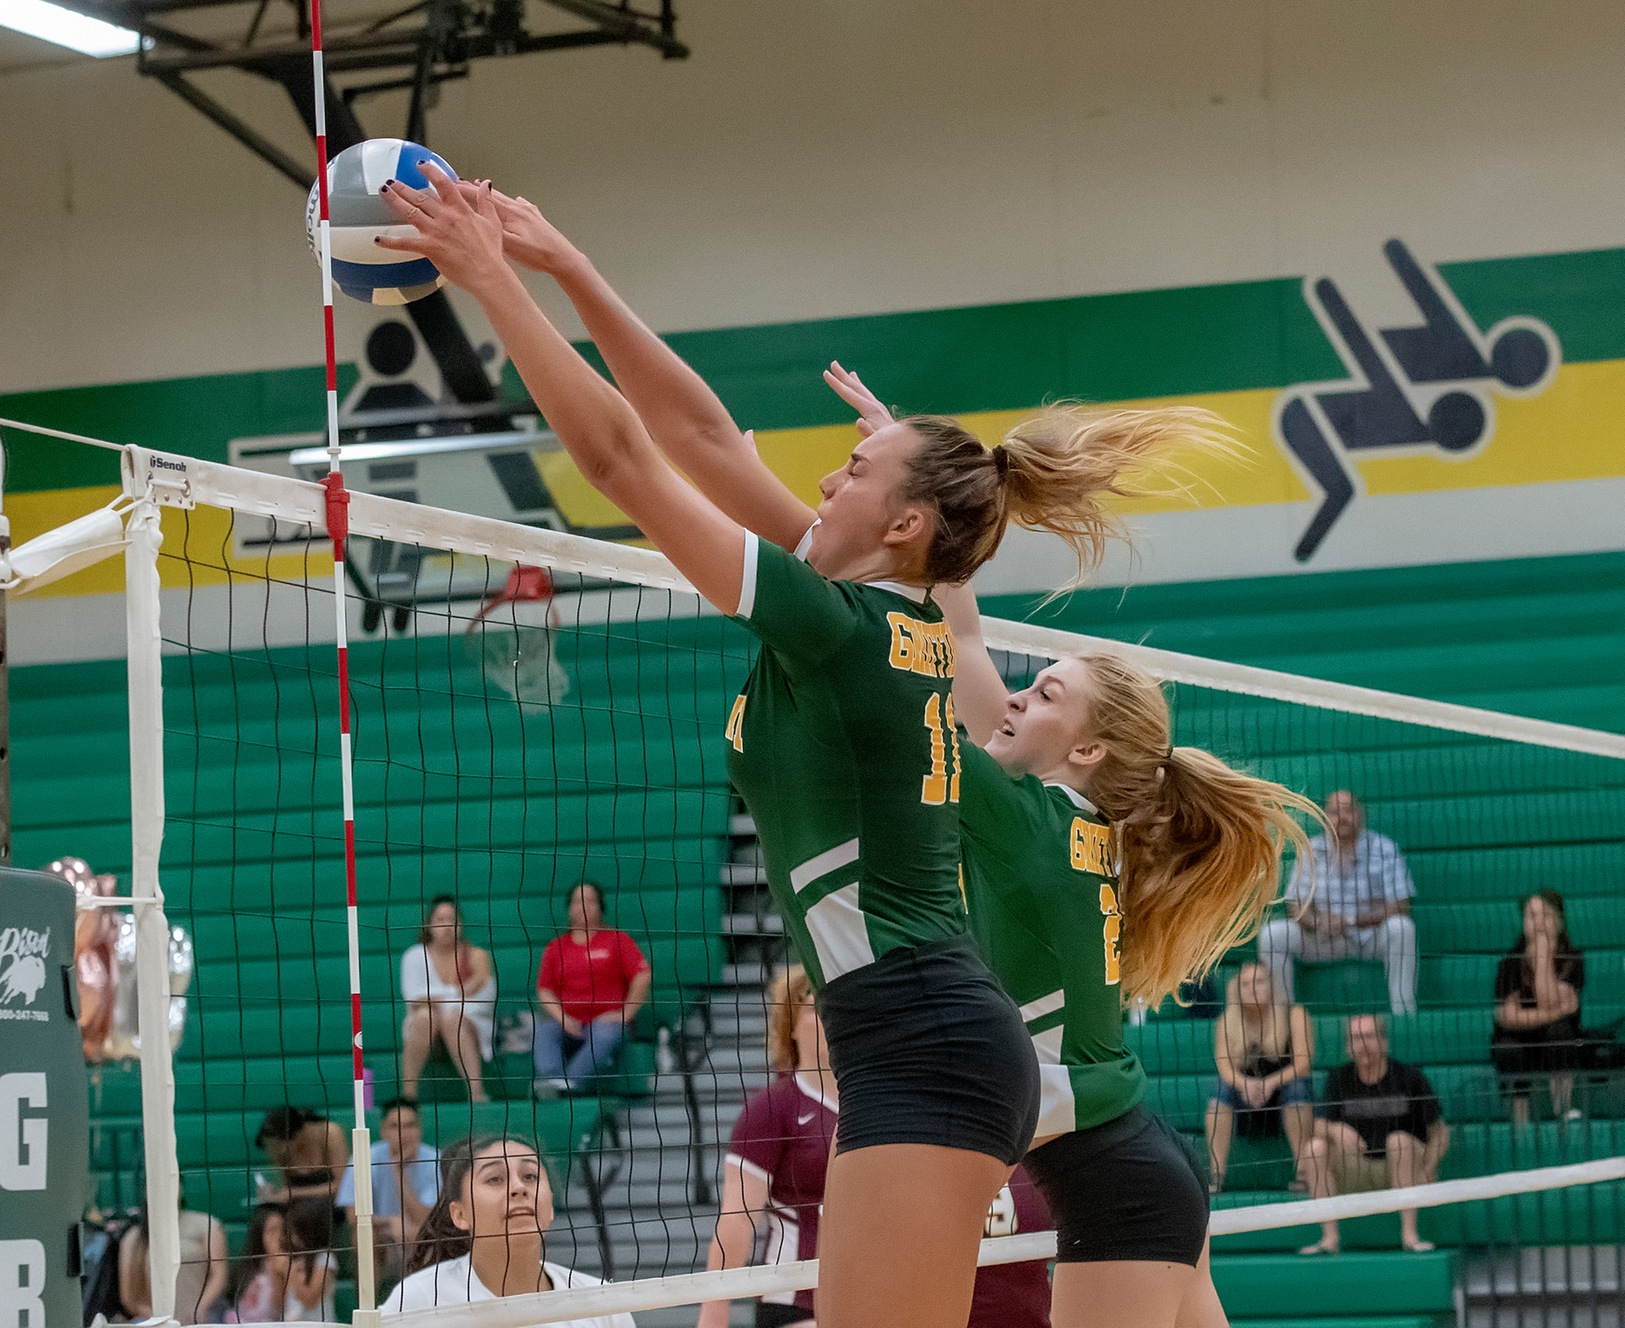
(406, 244)
(444, 187)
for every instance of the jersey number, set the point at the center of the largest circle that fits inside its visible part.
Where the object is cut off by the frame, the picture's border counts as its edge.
(1111, 930)
(735, 732)
(938, 787)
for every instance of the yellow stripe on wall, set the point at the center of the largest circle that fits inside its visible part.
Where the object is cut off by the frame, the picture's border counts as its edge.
(1574, 430)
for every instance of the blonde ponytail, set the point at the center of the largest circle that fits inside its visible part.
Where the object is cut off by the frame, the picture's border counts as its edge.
(1198, 844)
(1066, 462)
(1053, 472)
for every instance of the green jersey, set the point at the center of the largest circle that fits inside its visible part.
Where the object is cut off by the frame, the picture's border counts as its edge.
(844, 748)
(1043, 907)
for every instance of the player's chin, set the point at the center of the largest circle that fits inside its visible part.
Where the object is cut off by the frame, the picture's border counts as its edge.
(1002, 748)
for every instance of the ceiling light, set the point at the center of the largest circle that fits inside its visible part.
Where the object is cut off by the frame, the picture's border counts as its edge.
(53, 23)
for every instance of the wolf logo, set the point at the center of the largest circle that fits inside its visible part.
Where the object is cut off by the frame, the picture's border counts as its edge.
(24, 977)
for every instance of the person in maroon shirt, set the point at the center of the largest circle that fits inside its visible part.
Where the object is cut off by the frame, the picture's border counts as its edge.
(773, 1181)
(592, 982)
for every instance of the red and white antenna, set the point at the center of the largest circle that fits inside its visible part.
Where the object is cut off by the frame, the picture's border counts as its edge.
(338, 527)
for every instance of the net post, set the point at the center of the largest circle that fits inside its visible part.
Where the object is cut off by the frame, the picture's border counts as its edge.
(146, 696)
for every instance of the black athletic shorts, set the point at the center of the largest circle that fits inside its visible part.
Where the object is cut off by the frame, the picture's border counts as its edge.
(769, 1315)
(928, 1049)
(1126, 1190)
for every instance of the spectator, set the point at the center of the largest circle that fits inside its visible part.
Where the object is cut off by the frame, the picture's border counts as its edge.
(200, 1284)
(1380, 1127)
(593, 981)
(450, 992)
(259, 1279)
(1353, 902)
(405, 1185)
(773, 1181)
(1263, 1050)
(309, 1152)
(483, 1238)
(1537, 1009)
(312, 1266)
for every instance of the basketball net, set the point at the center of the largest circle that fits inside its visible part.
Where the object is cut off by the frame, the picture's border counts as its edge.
(512, 636)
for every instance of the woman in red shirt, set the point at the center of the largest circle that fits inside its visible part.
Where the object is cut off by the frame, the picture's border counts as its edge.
(592, 982)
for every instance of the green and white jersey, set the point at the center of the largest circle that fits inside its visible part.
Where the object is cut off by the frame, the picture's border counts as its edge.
(844, 749)
(1043, 908)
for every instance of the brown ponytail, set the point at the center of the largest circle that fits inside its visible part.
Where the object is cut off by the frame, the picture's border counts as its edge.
(1053, 472)
(1198, 844)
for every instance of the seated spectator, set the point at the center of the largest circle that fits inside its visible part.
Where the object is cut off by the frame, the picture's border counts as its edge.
(258, 1287)
(773, 1181)
(309, 1152)
(1353, 900)
(592, 982)
(1264, 1051)
(312, 1265)
(483, 1238)
(200, 1283)
(405, 1185)
(450, 992)
(1537, 1009)
(1380, 1127)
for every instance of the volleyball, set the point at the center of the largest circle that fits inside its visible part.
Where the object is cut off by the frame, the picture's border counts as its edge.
(357, 213)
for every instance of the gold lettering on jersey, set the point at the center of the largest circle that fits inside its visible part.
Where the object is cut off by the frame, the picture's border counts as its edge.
(1111, 931)
(735, 732)
(1089, 843)
(921, 647)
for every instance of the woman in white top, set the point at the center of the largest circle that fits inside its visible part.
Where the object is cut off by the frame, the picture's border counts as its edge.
(450, 992)
(483, 1238)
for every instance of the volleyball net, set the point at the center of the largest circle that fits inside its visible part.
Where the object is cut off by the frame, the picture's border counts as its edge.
(532, 711)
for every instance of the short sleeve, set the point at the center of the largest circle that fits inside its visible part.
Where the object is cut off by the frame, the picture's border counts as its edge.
(1507, 977)
(990, 802)
(1333, 1096)
(551, 970)
(1424, 1102)
(790, 607)
(345, 1198)
(415, 974)
(632, 960)
(758, 1137)
(1304, 871)
(1397, 885)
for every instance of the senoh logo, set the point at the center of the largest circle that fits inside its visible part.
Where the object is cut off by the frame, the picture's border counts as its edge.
(165, 463)
(22, 963)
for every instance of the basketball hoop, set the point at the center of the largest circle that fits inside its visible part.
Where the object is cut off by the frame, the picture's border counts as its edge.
(512, 636)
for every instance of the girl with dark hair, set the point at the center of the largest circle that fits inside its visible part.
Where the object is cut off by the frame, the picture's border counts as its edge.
(450, 990)
(312, 1268)
(1537, 1009)
(483, 1239)
(309, 1151)
(841, 742)
(258, 1288)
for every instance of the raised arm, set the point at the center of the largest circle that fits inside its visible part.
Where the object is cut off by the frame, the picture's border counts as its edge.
(460, 232)
(980, 696)
(684, 417)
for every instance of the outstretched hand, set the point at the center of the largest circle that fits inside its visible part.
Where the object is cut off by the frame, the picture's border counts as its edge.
(457, 228)
(872, 415)
(528, 238)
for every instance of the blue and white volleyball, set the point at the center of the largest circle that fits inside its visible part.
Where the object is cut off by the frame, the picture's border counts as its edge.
(357, 213)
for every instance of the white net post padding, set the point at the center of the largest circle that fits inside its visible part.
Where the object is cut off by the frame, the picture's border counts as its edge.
(141, 605)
